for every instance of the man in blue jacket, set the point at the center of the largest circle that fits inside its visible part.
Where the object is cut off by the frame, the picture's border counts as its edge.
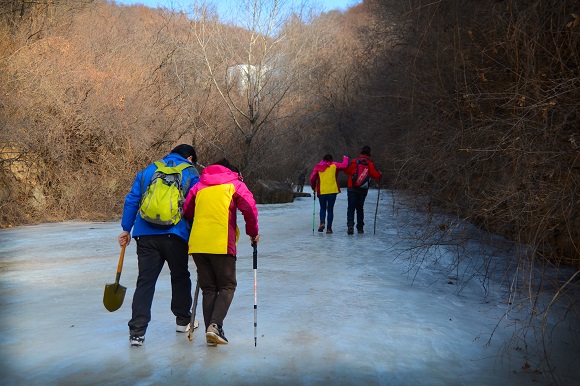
(156, 245)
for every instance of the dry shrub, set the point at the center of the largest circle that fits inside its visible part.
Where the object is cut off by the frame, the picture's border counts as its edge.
(483, 100)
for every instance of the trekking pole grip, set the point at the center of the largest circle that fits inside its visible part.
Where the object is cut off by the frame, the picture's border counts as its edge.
(255, 258)
(255, 246)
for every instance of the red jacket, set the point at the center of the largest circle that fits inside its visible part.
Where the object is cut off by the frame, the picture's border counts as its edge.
(373, 172)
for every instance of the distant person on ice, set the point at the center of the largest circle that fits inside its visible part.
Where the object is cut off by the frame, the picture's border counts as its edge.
(159, 242)
(301, 181)
(323, 182)
(214, 202)
(360, 170)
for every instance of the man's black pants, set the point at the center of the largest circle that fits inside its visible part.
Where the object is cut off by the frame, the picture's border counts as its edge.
(152, 253)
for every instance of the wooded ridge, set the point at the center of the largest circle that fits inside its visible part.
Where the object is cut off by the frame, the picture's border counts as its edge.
(473, 104)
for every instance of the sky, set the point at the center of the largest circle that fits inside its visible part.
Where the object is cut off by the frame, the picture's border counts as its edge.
(225, 4)
(332, 309)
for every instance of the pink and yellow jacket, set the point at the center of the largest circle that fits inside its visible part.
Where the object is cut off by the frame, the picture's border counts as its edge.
(323, 177)
(213, 203)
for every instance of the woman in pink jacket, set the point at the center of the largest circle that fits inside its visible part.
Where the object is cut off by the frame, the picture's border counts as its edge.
(323, 181)
(213, 203)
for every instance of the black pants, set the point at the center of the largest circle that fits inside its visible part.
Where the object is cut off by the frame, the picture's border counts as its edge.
(356, 202)
(152, 253)
(216, 275)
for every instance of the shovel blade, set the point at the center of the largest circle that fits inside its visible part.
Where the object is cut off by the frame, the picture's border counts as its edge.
(114, 296)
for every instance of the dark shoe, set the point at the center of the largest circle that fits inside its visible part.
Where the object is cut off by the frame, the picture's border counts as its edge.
(321, 227)
(360, 230)
(137, 341)
(329, 230)
(215, 334)
(350, 231)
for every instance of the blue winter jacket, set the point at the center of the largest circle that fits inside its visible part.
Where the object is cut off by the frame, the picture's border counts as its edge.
(131, 217)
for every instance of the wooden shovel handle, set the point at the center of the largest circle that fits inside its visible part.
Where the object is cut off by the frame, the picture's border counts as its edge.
(120, 266)
(121, 258)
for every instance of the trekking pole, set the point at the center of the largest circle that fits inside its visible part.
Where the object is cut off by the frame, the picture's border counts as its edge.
(255, 245)
(314, 210)
(377, 209)
(192, 325)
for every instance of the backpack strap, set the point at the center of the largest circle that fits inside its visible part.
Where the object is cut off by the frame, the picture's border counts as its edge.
(143, 187)
(187, 181)
(175, 168)
(356, 163)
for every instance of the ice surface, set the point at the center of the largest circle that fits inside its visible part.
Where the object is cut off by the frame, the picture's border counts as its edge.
(332, 310)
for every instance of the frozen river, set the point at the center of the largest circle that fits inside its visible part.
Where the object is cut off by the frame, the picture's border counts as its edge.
(332, 310)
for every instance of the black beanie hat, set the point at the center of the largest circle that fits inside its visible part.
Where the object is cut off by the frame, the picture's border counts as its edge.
(366, 150)
(185, 151)
(225, 163)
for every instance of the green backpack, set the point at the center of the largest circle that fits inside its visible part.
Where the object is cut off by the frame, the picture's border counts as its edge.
(162, 203)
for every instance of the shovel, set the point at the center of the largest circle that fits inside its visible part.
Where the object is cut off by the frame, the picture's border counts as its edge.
(115, 293)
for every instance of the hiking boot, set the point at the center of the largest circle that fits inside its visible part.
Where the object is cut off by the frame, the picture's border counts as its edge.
(350, 231)
(137, 341)
(211, 343)
(215, 334)
(329, 230)
(321, 227)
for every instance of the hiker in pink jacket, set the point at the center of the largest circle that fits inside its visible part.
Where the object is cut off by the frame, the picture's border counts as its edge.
(323, 182)
(213, 204)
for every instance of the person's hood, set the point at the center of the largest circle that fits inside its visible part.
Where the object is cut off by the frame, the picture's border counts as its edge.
(217, 174)
(364, 159)
(322, 166)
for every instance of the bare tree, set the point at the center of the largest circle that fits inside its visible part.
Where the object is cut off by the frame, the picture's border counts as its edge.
(255, 74)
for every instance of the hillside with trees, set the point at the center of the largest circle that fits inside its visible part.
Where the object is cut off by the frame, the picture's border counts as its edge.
(471, 108)
(94, 91)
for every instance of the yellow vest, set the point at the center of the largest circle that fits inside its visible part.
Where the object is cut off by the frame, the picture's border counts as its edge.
(327, 178)
(210, 228)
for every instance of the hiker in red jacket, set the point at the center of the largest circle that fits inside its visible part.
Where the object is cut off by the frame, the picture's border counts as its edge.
(360, 170)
